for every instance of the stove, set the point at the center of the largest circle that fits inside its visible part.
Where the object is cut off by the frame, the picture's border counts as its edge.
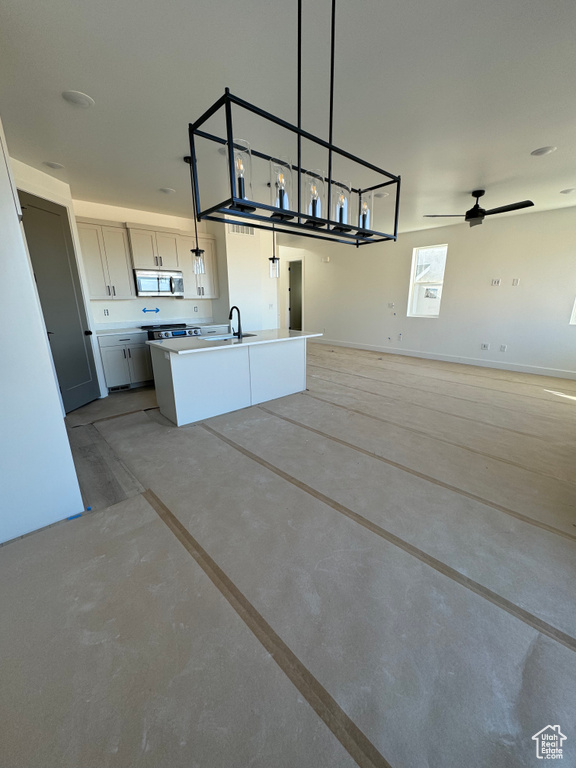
(171, 331)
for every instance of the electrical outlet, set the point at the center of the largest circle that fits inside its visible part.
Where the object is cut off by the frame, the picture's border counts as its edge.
(484, 346)
(195, 309)
(515, 281)
(496, 281)
(503, 347)
(106, 313)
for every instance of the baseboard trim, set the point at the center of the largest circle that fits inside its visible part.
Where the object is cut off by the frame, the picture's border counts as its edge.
(520, 368)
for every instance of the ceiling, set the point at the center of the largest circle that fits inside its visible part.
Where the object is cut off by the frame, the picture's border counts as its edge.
(453, 95)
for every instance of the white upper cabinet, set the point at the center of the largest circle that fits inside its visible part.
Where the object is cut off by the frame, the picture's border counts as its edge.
(153, 250)
(203, 286)
(106, 258)
(167, 247)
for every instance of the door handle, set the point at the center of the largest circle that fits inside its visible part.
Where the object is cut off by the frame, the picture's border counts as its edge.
(114, 290)
(129, 353)
(124, 353)
(87, 333)
(172, 289)
(161, 261)
(108, 290)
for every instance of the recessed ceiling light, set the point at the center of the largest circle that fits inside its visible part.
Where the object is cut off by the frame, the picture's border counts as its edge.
(543, 151)
(167, 190)
(78, 98)
(50, 164)
(568, 191)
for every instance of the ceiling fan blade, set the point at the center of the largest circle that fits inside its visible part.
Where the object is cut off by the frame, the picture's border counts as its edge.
(511, 207)
(443, 215)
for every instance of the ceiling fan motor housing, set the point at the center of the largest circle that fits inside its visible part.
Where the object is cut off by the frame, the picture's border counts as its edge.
(475, 215)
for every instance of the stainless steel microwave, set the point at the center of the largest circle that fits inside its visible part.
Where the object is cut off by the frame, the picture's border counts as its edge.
(158, 282)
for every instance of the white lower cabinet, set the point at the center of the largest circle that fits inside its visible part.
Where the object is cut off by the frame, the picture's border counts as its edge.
(126, 360)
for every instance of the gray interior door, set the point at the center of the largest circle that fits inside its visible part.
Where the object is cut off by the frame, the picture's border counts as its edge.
(52, 254)
(295, 288)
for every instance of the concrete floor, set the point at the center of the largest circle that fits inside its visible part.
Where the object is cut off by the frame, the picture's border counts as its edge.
(378, 572)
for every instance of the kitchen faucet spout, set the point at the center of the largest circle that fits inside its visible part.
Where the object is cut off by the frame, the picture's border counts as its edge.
(238, 333)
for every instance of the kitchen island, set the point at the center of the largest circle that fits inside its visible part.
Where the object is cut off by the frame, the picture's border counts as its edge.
(198, 378)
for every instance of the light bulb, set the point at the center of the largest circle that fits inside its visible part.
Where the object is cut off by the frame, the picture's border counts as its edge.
(314, 192)
(240, 167)
(281, 181)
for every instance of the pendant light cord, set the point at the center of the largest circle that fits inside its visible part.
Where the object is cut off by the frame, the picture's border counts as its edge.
(331, 120)
(299, 108)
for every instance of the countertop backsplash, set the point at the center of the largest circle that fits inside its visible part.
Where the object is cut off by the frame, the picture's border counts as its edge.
(131, 314)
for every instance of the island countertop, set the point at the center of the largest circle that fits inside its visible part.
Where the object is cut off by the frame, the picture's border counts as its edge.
(191, 344)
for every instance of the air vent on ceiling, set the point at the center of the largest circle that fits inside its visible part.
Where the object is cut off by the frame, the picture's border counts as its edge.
(240, 229)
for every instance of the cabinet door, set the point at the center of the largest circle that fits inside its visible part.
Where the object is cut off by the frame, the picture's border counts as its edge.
(209, 280)
(167, 250)
(139, 363)
(94, 260)
(115, 362)
(144, 250)
(119, 264)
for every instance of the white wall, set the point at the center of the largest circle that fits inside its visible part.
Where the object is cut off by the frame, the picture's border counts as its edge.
(38, 484)
(250, 286)
(129, 313)
(348, 297)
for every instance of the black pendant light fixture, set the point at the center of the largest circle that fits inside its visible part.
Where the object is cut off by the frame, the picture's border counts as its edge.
(302, 201)
(197, 253)
(274, 260)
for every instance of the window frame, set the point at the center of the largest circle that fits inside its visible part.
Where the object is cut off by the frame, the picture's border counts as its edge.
(435, 283)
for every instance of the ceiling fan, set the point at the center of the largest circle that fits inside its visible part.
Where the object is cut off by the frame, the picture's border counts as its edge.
(476, 214)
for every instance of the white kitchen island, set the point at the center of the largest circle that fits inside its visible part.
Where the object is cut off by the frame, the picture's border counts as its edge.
(198, 378)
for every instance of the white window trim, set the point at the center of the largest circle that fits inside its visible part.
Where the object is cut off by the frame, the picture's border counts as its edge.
(432, 282)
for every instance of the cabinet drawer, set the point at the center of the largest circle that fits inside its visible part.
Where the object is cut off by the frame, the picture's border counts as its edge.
(120, 339)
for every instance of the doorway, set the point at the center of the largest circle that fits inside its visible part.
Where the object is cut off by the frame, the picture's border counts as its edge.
(51, 251)
(295, 296)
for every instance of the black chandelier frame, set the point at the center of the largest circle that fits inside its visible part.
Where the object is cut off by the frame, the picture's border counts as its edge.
(269, 217)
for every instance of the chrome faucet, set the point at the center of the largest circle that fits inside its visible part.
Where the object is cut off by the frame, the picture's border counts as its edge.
(239, 331)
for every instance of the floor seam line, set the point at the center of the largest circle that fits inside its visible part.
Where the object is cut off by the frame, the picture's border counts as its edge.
(417, 405)
(503, 603)
(465, 373)
(493, 505)
(356, 743)
(415, 431)
(443, 394)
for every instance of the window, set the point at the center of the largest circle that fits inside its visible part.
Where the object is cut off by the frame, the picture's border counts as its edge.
(426, 281)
